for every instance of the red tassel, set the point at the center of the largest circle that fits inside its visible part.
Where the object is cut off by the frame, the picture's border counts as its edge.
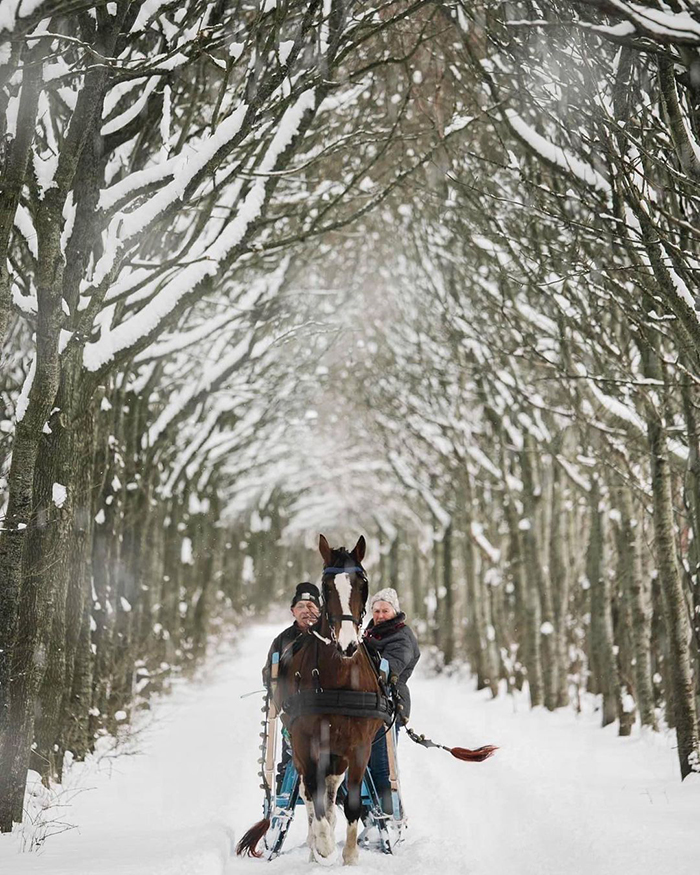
(473, 756)
(249, 842)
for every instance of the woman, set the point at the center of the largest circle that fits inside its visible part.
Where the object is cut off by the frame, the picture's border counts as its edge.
(388, 635)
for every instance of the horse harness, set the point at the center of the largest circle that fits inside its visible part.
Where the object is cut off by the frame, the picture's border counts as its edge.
(347, 703)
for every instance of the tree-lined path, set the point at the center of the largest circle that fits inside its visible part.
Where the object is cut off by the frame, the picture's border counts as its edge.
(560, 794)
(425, 271)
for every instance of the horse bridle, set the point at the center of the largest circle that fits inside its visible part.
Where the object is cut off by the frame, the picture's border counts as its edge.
(334, 619)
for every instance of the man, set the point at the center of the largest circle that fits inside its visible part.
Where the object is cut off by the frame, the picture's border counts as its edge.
(306, 609)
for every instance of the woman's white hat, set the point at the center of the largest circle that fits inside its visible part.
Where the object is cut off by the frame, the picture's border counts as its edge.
(388, 595)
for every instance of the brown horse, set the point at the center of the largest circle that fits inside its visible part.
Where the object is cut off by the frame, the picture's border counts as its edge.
(326, 745)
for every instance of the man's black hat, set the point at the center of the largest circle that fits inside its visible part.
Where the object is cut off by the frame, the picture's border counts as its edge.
(307, 592)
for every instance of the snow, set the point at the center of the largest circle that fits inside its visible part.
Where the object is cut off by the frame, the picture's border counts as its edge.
(204, 431)
(561, 794)
(166, 117)
(581, 481)
(11, 114)
(117, 91)
(23, 399)
(186, 556)
(24, 224)
(45, 168)
(183, 169)
(115, 124)
(25, 303)
(284, 50)
(68, 213)
(477, 532)
(555, 154)
(679, 25)
(404, 473)
(147, 11)
(173, 343)
(59, 493)
(128, 333)
(180, 399)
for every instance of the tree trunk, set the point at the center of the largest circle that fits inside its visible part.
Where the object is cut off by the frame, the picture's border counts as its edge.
(539, 664)
(559, 574)
(447, 613)
(674, 604)
(637, 593)
(417, 595)
(474, 631)
(602, 652)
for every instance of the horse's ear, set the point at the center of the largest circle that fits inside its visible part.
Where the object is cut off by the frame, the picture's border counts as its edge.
(358, 551)
(325, 550)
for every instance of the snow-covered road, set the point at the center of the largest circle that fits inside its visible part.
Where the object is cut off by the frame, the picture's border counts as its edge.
(560, 796)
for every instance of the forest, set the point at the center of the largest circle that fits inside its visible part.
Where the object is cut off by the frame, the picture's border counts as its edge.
(426, 271)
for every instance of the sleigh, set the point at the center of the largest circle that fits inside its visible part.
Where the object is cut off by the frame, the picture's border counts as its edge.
(333, 698)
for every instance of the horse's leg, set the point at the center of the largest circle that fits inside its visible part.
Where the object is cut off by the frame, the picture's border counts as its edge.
(353, 810)
(332, 784)
(308, 803)
(322, 839)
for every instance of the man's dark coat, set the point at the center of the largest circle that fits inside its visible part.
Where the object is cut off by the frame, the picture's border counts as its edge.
(279, 645)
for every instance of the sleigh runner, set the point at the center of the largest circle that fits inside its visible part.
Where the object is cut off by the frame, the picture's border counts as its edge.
(381, 831)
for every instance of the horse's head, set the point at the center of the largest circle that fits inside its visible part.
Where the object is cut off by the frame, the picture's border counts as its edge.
(345, 591)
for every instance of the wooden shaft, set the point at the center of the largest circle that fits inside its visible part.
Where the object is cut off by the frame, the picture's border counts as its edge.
(391, 751)
(271, 751)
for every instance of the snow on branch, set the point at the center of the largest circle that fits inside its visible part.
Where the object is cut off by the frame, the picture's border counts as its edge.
(555, 155)
(189, 164)
(625, 417)
(483, 461)
(182, 340)
(201, 435)
(660, 23)
(137, 327)
(116, 124)
(404, 474)
(242, 351)
(477, 532)
(574, 474)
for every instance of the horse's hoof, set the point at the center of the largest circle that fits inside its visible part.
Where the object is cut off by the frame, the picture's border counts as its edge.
(330, 860)
(350, 858)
